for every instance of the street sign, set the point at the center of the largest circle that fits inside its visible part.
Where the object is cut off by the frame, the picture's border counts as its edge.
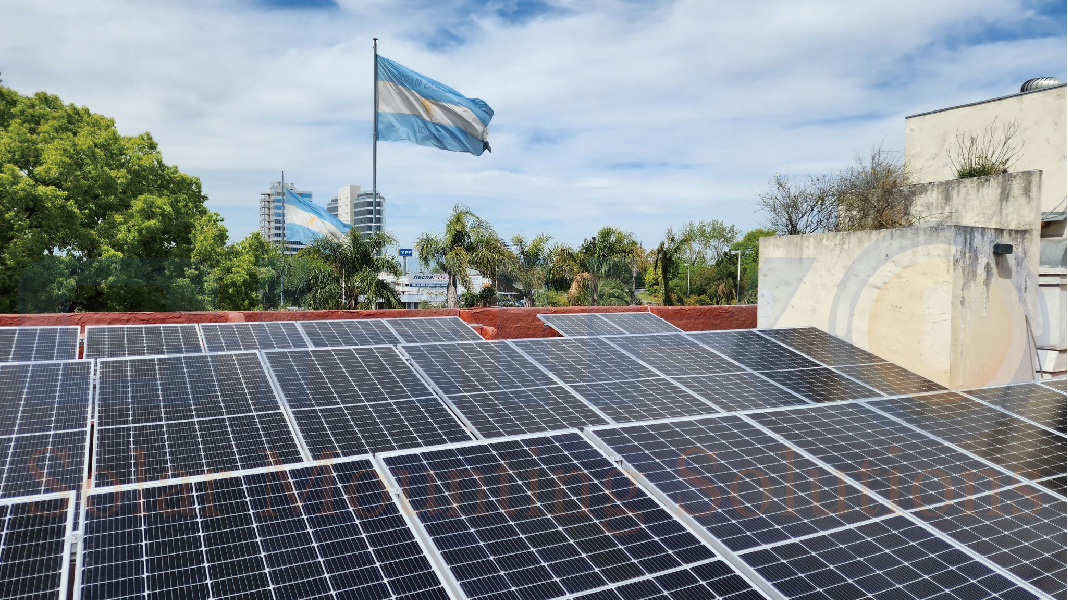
(404, 252)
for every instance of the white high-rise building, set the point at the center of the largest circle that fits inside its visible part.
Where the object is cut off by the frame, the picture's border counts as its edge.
(357, 208)
(272, 215)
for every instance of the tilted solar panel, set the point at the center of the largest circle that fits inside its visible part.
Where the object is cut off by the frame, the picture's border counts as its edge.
(539, 517)
(38, 343)
(1017, 445)
(35, 538)
(639, 322)
(44, 426)
(349, 401)
(268, 335)
(115, 341)
(1059, 384)
(580, 324)
(322, 531)
(739, 391)
(1057, 484)
(821, 346)
(752, 350)
(584, 360)
(534, 410)
(348, 332)
(821, 384)
(1035, 403)
(675, 355)
(890, 379)
(463, 368)
(643, 399)
(711, 579)
(421, 330)
(186, 415)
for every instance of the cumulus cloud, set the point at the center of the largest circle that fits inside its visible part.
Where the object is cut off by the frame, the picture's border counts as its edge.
(635, 114)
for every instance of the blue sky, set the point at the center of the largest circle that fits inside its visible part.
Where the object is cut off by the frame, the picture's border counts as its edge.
(641, 115)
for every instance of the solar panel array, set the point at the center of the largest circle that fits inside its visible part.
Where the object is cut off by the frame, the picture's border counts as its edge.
(19, 344)
(723, 464)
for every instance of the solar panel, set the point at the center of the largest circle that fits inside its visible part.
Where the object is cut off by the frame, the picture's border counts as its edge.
(642, 399)
(1021, 447)
(321, 531)
(515, 412)
(35, 546)
(115, 341)
(821, 346)
(639, 322)
(751, 350)
(186, 415)
(268, 335)
(349, 401)
(740, 484)
(674, 355)
(1057, 484)
(821, 384)
(539, 517)
(1020, 529)
(348, 332)
(580, 324)
(739, 391)
(420, 330)
(44, 426)
(1060, 384)
(711, 579)
(906, 467)
(461, 368)
(585, 360)
(38, 343)
(1028, 401)
(889, 558)
(890, 379)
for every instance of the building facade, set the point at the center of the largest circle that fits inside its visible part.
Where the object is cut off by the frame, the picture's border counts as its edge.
(273, 218)
(357, 207)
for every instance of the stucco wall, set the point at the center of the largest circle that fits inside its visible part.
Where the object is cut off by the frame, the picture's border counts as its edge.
(933, 299)
(1041, 115)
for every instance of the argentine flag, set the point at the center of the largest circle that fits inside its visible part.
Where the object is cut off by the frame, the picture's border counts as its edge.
(418, 109)
(306, 221)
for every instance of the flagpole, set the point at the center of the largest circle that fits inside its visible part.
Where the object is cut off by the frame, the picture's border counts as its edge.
(374, 146)
(285, 243)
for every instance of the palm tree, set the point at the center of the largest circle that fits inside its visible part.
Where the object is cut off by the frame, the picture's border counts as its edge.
(532, 260)
(358, 260)
(468, 242)
(610, 253)
(665, 258)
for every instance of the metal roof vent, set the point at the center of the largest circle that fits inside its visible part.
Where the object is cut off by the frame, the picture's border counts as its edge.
(1040, 83)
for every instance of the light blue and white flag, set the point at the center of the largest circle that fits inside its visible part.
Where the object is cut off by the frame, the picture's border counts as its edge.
(306, 221)
(423, 111)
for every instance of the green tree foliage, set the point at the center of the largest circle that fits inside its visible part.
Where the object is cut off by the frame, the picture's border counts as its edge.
(749, 246)
(532, 261)
(612, 253)
(356, 261)
(467, 242)
(666, 258)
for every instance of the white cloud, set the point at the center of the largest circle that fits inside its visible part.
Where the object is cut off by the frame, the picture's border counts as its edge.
(607, 113)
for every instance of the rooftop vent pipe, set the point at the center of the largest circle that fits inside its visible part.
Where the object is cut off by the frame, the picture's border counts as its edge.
(1040, 83)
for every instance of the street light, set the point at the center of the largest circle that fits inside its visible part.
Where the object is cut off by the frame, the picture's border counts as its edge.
(738, 278)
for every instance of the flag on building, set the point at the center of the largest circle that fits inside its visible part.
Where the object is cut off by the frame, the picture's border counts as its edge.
(306, 221)
(423, 111)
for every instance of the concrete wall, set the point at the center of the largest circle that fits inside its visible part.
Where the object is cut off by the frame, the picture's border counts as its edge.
(933, 299)
(1041, 115)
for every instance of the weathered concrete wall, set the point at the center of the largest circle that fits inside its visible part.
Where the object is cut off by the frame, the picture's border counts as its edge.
(496, 323)
(933, 299)
(1042, 133)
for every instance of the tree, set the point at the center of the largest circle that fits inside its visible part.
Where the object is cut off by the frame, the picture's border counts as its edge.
(749, 246)
(799, 206)
(707, 241)
(468, 242)
(532, 261)
(665, 262)
(611, 253)
(94, 220)
(358, 261)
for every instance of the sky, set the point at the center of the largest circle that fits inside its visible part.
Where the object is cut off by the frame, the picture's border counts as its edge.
(636, 114)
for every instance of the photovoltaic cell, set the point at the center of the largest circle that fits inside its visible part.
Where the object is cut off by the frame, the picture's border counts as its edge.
(421, 330)
(639, 322)
(585, 360)
(463, 368)
(906, 467)
(348, 332)
(821, 346)
(34, 552)
(675, 355)
(349, 401)
(1020, 529)
(1057, 484)
(269, 335)
(752, 350)
(1021, 447)
(38, 343)
(307, 532)
(739, 391)
(890, 379)
(516, 412)
(186, 415)
(821, 384)
(1060, 384)
(642, 400)
(1033, 402)
(580, 324)
(539, 517)
(743, 486)
(116, 341)
(891, 558)
(712, 579)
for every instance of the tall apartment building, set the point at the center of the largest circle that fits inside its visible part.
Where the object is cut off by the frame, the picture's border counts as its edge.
(272, 215)
(357, 208)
